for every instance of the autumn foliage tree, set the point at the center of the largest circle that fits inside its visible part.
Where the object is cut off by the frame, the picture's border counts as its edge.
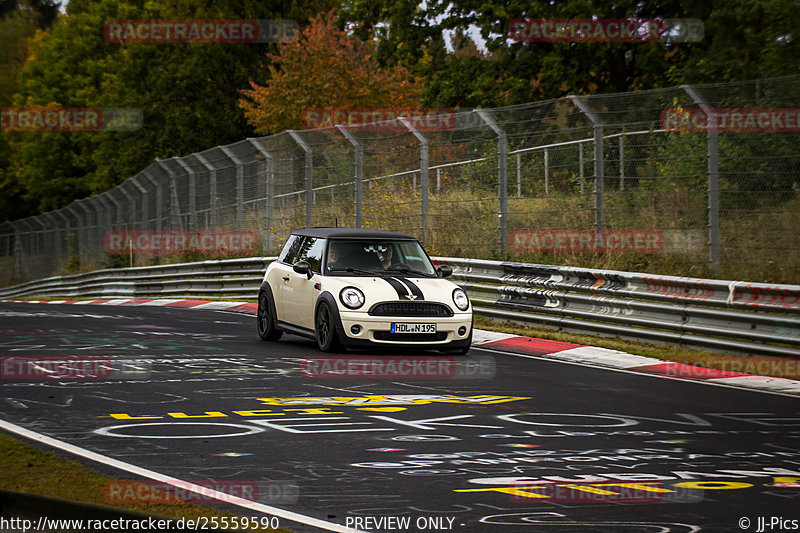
(188, 94)
(324, 68)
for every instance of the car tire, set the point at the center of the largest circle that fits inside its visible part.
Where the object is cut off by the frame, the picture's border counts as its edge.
(265, 319)
(325, 328)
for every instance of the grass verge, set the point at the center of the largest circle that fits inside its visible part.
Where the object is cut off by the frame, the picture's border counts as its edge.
(28, 469)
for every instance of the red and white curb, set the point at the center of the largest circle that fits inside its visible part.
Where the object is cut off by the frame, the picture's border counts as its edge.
(528, 346)
(604, 357)
(236, 307)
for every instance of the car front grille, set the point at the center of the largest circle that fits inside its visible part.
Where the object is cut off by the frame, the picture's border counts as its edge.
(411, 309)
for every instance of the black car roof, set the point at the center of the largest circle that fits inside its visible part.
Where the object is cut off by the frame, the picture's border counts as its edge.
(350, 233)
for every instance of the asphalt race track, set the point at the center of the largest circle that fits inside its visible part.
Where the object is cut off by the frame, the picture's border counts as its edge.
(485, 442)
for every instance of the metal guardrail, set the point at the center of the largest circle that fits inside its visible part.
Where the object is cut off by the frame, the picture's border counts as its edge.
(734, 316)
(209, 279)
(740, 317)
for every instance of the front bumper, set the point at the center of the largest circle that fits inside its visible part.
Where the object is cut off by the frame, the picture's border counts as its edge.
(376, 330)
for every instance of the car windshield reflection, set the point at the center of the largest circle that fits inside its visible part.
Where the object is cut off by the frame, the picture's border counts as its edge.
(378, 257)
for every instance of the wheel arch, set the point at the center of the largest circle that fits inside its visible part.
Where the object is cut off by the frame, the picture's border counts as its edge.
(330, 299)
(265, 288)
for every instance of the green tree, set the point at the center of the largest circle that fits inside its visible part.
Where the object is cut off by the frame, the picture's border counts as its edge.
(43, 12)
(517, 72)
(16, 28)
(187, 93)
(745, 40)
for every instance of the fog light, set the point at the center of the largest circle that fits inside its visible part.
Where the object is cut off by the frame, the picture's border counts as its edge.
(462, 330)
(355, 330)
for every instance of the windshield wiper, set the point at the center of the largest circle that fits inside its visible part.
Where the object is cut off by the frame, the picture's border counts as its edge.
(410, 271)
(358, 270)
(418, 272)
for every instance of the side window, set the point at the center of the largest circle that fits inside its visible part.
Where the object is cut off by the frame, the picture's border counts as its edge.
(290, 249)
(311, 251)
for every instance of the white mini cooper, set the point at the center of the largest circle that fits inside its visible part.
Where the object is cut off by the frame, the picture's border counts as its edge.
(357, 288)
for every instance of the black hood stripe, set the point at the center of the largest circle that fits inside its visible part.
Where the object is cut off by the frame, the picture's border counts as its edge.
(406, 289)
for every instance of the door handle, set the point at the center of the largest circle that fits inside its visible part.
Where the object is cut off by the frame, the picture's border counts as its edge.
(285, 278)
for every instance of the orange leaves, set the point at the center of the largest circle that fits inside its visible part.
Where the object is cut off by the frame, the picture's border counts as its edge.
(324, 68)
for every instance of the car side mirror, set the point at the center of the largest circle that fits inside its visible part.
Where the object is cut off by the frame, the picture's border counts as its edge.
(303, 267)
(445, 271)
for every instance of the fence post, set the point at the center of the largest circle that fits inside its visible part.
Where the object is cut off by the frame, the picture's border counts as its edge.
(76, 235)
(131, 204)
(580, 162)
(269, 190)
(117, 206)
(109, 218)
(87, 243)
(34, 238)
(502, 176)
(112, 203)
(239, 185)
(125, 216)
(212, 191)
(80, 227)
(159, 197)
(359, 172)
(192, 224)
(62, 241)
(129, 224)
(622, 162)
(309, 175)
(101, 198)
(82, 219)
(424, 157)
(18, 264)
(519, 174)
(599, 159)
(174, 204)
(713, 178)
(96, 238)
(54, 245)
(546, 172)
(36, 247)
(145, 217)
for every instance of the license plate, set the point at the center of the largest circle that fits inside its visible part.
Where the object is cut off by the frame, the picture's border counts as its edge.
(403, 327)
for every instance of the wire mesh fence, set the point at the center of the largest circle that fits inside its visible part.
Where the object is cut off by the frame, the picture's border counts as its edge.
(701, 181)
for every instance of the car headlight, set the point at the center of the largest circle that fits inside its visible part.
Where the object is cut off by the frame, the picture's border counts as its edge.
(351, 297)
(460, 299)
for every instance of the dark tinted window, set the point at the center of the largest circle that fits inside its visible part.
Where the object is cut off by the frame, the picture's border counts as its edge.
(378, 256)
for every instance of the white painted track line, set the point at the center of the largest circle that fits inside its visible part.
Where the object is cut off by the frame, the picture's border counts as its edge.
(156, 476)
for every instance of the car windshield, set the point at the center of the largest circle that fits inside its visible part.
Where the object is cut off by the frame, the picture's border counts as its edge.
(378, 257)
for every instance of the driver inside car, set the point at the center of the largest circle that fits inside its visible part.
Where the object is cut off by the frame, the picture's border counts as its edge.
(334, 259)
(385, 257)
